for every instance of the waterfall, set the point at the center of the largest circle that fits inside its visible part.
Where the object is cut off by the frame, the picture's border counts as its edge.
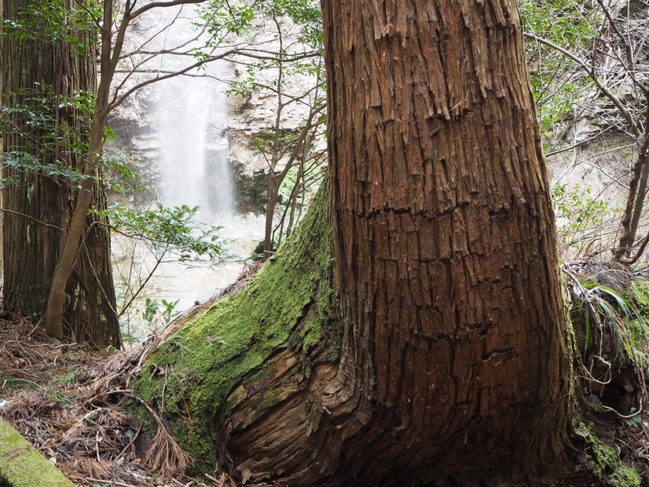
(190, 114)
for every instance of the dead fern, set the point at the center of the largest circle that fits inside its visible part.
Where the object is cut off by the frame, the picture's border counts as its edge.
(164, 456)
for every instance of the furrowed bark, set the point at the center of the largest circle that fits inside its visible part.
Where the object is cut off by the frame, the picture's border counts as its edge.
(39, 207)
(450, 364)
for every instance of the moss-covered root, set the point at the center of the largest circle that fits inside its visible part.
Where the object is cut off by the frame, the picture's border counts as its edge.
(250, 352)
(21, 465)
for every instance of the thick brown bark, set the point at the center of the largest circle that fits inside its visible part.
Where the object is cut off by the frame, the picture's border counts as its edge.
(38, 208)
(444, 234)
(1, 133)
(447, 363)
(453, 364)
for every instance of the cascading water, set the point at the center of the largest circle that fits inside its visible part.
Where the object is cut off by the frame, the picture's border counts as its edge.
(189, 116)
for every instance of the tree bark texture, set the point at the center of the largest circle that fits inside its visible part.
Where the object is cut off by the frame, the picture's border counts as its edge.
(2, 62)
(450, 365)
(444, 234)
(452, 351)
(38, 207)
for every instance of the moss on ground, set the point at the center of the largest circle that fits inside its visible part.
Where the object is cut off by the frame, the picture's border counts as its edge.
(287, 305)
(606, 462)
(21, 465)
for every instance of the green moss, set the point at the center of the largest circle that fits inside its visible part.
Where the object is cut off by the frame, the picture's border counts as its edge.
(21, 465)
(611, 469)
(640, 296)
(638, 326)
(625, 476)
(287, 305)
(606, 462)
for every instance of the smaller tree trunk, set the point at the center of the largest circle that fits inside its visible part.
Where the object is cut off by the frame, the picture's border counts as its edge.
(68, 257)
(50, 77)
(90, 168)
(271, 202)
(635, 200)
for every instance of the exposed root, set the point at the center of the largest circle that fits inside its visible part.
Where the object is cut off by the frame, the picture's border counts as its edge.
(165, 456)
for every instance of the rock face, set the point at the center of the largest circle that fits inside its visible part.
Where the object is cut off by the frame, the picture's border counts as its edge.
(135, 144)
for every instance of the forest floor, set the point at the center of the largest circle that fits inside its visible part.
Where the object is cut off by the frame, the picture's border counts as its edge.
(68, 402)
(57, 396)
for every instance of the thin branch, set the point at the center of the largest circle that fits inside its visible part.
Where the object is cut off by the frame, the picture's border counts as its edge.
(173, 3)
(95, 19)
(592, 73)
(13, 212)
(578, 144)
(142, 285)
(117, 101)
(638, 254)
(627, 47)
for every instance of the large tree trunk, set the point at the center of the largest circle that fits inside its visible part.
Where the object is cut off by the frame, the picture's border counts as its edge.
(444, 234)
(447, 362)
(38, 207)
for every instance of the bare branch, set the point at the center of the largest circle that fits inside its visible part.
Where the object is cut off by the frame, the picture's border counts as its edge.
(593, 74)
(95, 19)
(119, 100)
(638, 254)
(40, 222)
(172, 3)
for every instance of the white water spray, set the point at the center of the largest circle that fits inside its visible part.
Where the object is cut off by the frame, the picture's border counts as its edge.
(190, 115)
